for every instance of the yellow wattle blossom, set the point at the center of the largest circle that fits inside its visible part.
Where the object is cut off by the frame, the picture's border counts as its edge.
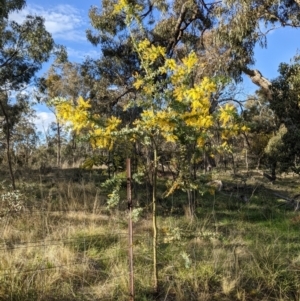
(224, 144)
(119, 6)
(179, 75)
(80, 118)
(103, 137)
(170, 64)
(192, 111)
(82, 104)
(226, 114)
(77, 115)
(149, 89)
(179, 93)
(112, 123)
(138, 83)
(190, 61)
(124, 5)
(208, 85)
(244, 128)
(201, 142)
(149, 53)
(161, 121)
(143, 45)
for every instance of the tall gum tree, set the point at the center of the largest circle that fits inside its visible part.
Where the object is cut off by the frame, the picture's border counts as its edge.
(63, 79)
(222, 33)
(285, 104)
(23, 49)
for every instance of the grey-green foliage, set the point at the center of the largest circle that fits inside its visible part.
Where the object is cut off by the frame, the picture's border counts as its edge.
(285, 104)
(138, 177)
(10, 114)
(7, 6)
(186, 259)
(223, 33)
(276, 144)
(244, 24)
(23, 47)
(113, 185)
(136, 213)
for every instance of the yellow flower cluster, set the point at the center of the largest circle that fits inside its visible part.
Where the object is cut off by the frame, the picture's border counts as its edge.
(102, 137)
(228, 120)
(193, 112)
(182, 71)
(226, 114)
(150, 52)
(80, 118)
(120, 5)
(190, 61)
(76, 115)
(163, 121)
(124, 5)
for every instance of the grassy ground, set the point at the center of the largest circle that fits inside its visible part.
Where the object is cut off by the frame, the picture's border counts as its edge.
(64, 244)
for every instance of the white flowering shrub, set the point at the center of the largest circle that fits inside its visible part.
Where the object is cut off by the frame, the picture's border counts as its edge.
(11, 202)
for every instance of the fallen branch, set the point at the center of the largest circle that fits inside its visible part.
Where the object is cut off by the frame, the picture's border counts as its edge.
(295, 201)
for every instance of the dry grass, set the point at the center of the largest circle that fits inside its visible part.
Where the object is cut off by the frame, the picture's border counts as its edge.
(65, 245)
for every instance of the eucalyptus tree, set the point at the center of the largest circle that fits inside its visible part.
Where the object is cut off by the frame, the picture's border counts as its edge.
(17, 136)
(63, 80)
(23, 49)
(285, 104)
(223, 34)
(25, 142)
(262, 123)
(274, 123)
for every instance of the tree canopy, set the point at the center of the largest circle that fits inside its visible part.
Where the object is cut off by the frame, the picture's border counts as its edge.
(285, 104)
(23, 49)
(222, 33)
(169, 67)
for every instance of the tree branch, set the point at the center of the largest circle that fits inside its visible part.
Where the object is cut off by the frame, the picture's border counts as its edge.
(258, 79)
(178, 32)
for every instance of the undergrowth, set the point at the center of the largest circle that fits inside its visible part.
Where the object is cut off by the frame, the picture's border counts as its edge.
(65, 244)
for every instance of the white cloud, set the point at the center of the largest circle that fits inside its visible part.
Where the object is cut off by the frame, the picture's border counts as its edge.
(43, 120)
(79, 54)
(62, 21)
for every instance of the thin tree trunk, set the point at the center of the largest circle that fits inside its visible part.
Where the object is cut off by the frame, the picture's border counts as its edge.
(8, 156)
(12, 176)
(233, 164)
(154, 224)
(192, 192)
(58, 162)
(130, 230)
(273, 171)
(246, 160)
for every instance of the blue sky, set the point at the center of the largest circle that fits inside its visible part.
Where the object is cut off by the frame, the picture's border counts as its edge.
(282, 46)
(67, 20)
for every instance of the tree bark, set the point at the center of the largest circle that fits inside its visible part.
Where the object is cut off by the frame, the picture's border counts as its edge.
(58, 145)
(258, 79)
(7, 137)
(154, 224)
